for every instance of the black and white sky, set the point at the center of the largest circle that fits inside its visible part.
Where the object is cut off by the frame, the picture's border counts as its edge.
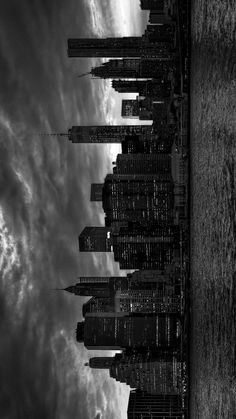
(44, 204)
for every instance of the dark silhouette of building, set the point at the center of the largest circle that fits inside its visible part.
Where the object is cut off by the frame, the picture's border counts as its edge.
(149, 406)
(154, 376)
(91, 286)
(152, 4)
(146, 109)
(153, 89)
(143, 164)
(95, 239)
(107, 133)
(134, 68)
(145, 248)
(156, 143)
(124, 330)
(134, 248)
(142, 291)
(101, 362)
(157, 373)
(98, 305)
(139, 199)
(139, 46)
(160, 17)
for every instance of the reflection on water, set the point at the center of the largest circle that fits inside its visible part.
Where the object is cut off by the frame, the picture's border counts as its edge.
(213, 209)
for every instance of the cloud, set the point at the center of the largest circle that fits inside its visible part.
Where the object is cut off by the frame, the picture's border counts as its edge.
(44, 204)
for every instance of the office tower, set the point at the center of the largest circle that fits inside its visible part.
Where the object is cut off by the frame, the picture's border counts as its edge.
(163, 33)
(92, 286)
(98, 305)
(106, 133)
(159, 17)
(118, 47)
(147, 301)
(157, 280)
(143, 164)
(130, 86)
(155, 88)
(101, 362)
(134, 69)
(146, 109)
(134, 247)
(95, 239)
(152, 4)
(154, 376)
(124, 330)
(140, 199)
(149, 406)
(130, 108)
(156, 143)
(96, 192)
(147, 248)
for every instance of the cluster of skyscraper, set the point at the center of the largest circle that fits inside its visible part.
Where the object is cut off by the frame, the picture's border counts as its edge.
(144, 201)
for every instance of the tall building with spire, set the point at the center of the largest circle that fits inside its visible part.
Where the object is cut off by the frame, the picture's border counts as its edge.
(106, 133)
(129, 68)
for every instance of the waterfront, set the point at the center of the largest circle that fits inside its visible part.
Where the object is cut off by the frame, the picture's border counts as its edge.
(213, 220)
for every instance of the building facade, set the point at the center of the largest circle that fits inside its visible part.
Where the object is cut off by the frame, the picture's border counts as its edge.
(107, 133)
(111, 331)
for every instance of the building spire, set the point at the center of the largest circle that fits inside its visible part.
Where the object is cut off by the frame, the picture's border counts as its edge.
(46, 134)
(84, 74)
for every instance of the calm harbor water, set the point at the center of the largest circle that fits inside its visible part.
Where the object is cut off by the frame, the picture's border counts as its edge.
(213, 210)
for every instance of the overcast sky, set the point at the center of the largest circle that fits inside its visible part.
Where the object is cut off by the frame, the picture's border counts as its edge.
(44, 205)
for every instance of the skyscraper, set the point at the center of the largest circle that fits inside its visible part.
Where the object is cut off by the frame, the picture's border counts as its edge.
(91, 287)
(124, 330)
(95, 239)
(154, 376)
(152, 4)
(150, 88)
(146, 109)
(134, 68)
(101, 362)
(143, 198)
(147, 248)
(106, 133)
(138, 46)
(143, 164)
(149, 406)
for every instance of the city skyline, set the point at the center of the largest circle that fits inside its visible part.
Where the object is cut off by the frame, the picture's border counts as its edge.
(89, 258)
